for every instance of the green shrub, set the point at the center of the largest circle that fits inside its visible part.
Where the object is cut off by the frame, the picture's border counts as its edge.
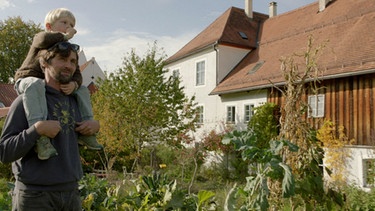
(5, 194)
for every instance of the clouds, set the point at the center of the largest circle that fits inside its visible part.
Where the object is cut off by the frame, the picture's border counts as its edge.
(110, 52)
(5, 4)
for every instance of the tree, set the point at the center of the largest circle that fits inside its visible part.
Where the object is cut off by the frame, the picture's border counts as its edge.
(137, 104)
(15, 40)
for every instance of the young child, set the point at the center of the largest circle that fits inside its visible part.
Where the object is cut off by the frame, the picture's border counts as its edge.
(59, 27)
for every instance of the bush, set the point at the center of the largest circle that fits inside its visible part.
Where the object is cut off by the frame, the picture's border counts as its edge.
(5, 194)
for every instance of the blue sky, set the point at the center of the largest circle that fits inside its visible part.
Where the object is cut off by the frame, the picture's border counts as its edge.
(109, 29)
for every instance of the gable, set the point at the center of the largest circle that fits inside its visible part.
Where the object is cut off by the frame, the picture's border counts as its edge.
(228, 29)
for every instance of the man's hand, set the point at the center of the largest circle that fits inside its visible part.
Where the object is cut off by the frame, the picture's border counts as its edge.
(68, 89)
(88, 127)
(49, 128)
(70, 32)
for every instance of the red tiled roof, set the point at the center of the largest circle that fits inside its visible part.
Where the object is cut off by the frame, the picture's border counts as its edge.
(346, 25)
(7, 94)
(224, 30)
(4, 112)
(83, 66)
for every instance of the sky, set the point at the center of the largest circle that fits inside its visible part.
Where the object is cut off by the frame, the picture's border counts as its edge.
(110, 29)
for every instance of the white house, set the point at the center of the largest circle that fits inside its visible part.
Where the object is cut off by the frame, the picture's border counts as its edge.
(208, 59)
(233, 65)
(90, 69)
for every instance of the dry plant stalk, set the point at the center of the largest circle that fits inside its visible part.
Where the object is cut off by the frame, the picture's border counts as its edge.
(294, 126)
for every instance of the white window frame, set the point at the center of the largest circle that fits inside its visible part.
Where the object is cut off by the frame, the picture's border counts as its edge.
(368, 173)
(176, 73)
(200, 114)
(231, 115)
(316, 106)
(248, 112)
(200, 72)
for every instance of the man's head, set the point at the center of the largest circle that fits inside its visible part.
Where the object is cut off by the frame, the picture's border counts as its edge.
(59, 62)
(59, 20)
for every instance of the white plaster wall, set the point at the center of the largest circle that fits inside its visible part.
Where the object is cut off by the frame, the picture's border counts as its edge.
(356, 164)
(91, 73)
(225, 58)
(239, 100)
(187, 70)
(228, 58)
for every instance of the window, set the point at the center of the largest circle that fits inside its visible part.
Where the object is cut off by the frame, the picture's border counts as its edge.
(257, 66)
(200, 114)
(249, 112)
(316, 105)
(231, 114)
(200, 73)
(369, 172)
(243, 35)
(176, 73)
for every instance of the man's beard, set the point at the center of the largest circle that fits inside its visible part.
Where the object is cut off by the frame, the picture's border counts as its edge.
(63, 79)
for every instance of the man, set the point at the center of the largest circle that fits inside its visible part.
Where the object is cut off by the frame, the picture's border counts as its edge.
(48, 184)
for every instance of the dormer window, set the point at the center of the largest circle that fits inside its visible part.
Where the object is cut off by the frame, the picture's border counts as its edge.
(243, 35)
(256, 67)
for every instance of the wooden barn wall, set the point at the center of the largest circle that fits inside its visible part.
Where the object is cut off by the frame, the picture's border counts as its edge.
(349, 102)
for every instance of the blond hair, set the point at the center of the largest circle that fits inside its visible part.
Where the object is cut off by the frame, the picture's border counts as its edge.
(53, 15)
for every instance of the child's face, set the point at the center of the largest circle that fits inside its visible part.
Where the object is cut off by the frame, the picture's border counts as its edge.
(62, 25)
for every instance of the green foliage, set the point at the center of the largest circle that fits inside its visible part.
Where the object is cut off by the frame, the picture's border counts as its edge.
(266, 165)
(357, 199)
(5, 168)
(264, 123)
(15, 40)
(98, 194)
(5, 194)
(157, 192)
(137, 105)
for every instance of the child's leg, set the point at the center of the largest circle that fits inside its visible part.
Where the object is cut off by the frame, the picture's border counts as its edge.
(84, 104)
(34, 99)
(35, 105)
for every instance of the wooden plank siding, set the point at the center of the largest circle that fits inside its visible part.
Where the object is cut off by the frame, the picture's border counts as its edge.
(349, 102)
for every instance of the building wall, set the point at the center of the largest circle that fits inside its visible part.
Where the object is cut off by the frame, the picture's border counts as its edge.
(239, 100)
(214, 109)
(91, 73)
(228, 58)
(349, 102)
(356, 165)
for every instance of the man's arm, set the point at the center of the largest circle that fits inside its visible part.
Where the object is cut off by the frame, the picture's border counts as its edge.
(17, 137)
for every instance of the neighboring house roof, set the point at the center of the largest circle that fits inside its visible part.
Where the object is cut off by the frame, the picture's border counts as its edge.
(224, 30)
(4, 112)
(346, 25)
(7, 94)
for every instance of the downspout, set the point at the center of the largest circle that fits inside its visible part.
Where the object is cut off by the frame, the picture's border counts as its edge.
(257, 35)
(217, 61)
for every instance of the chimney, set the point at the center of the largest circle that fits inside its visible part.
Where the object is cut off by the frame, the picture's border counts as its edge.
(249, 8)
(273, 9)
(323, 4)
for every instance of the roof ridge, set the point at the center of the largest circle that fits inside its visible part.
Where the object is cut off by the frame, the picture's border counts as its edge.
(331, 22)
